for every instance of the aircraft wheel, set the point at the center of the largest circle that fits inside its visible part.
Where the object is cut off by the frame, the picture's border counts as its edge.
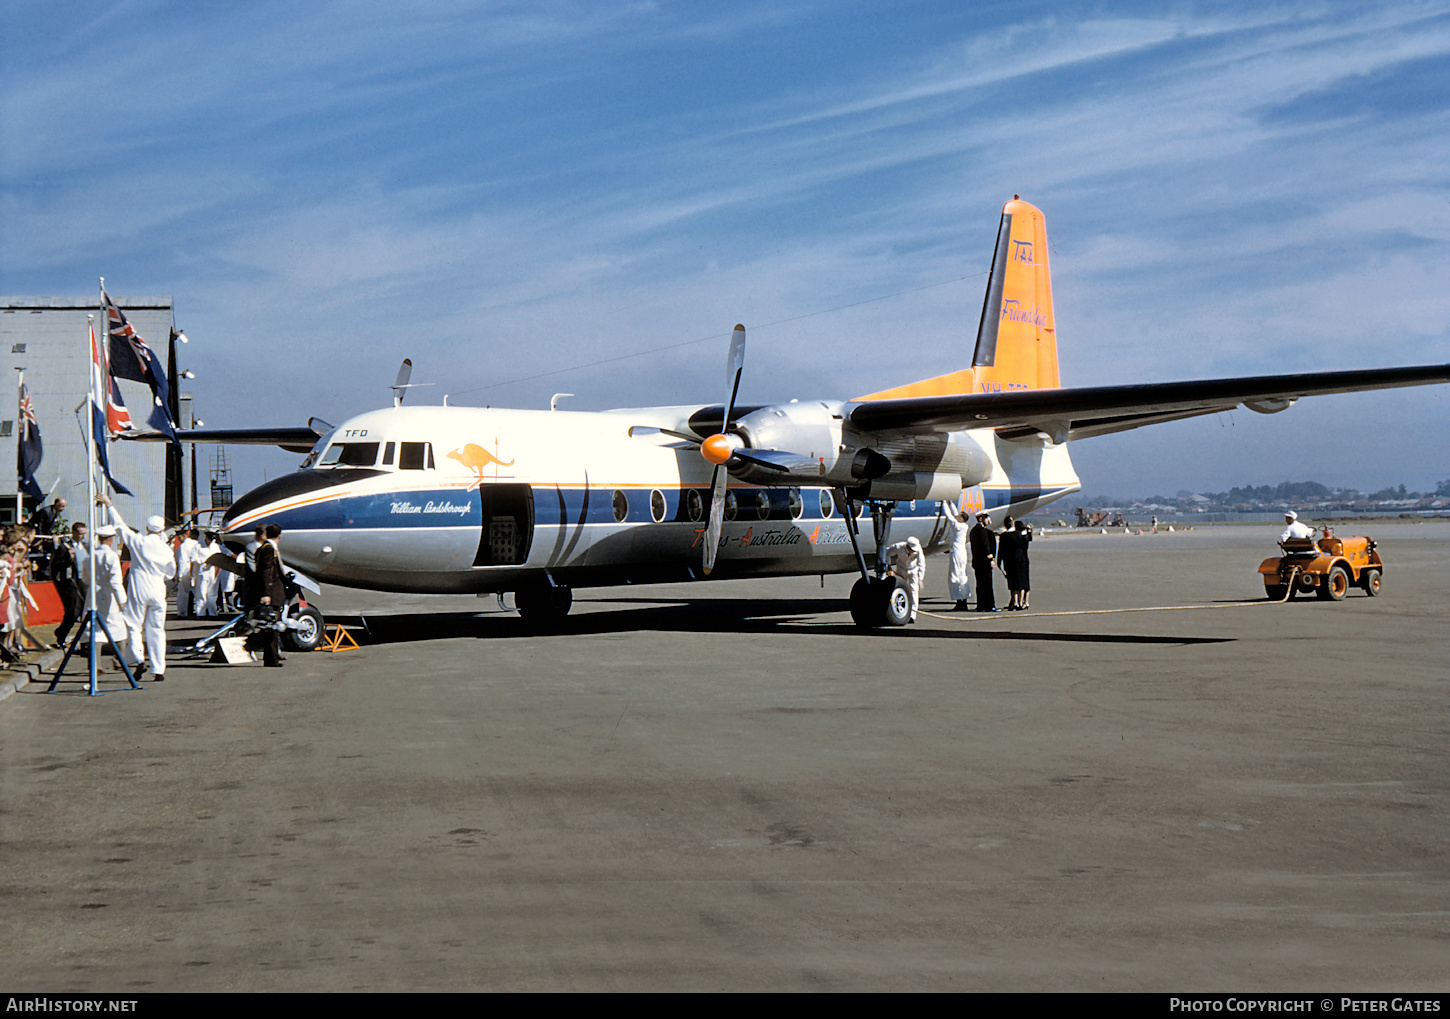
(865, 610)
(896, 602)
(1336, 584)
(309, 633)
(880, 603)
(544, 603)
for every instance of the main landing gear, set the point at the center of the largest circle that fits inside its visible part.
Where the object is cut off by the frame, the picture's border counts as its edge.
(544, 603)
(880, 599)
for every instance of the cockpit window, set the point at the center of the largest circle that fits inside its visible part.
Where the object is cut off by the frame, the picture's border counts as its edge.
(316, 451)
(350, 454)
(415, 456)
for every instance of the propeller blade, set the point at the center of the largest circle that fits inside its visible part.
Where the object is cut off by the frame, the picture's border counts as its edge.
(734, 367)
(717, 518)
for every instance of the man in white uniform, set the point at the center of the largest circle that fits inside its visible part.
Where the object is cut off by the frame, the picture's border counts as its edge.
(1295, 529)
(110, 589)
(187, 601)
(908, 562)
(959, 587)
(208, 581)
(152, 564)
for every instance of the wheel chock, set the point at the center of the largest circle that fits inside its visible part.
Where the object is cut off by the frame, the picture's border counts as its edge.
(341, 639)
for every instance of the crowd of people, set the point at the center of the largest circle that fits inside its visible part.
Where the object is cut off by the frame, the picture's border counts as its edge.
(131, 604)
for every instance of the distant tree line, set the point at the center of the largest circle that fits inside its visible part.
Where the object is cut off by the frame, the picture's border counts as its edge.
(1290, 492)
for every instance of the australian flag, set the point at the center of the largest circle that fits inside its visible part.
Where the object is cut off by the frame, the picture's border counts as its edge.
(132, 359)
(29, 450)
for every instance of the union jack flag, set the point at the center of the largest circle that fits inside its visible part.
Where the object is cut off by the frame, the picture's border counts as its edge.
(130, 358)
(108, 416)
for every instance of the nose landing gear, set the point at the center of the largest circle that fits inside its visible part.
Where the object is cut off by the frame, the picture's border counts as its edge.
(880, 599)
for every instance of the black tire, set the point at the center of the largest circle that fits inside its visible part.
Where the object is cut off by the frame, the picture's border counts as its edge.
(1275, 592)
(1335, 585)
(310, 633)
(544, 604)
(895, 595)
(865, 610)
(1370, 581)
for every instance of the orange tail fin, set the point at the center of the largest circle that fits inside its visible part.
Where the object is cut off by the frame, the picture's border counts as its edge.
(1016, 338)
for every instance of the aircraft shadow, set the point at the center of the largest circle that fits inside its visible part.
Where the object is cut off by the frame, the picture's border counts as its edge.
(717, 615)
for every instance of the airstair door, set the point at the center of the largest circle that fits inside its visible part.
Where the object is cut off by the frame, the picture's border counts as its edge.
(508, 525)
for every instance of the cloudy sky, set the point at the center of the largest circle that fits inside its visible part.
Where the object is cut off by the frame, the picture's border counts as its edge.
(517, 195)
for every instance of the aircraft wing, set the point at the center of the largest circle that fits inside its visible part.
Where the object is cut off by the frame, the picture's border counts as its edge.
(297, 440)
(1083, 412)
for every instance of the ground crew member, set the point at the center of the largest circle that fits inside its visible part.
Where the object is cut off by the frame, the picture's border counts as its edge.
(110, 590)
(1295, 529)
(908, 561)
(983, 541)
(959, 588)
(186, 593)
(208, 578)
(152, 564)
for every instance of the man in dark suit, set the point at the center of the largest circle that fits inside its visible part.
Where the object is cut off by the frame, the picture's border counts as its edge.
(983, 541)
(273, 591)
(45, 518)
(64, 563)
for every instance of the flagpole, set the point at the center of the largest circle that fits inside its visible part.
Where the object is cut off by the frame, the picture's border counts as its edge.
(91, 494)
(19, 438)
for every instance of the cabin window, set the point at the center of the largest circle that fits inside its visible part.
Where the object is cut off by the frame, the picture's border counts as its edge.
(657, 506)
(762, 504)
(828, 506)
(694, 504)
(797, 505)
(732, 506)
(388, 454)
(350, 454)
(415, 456)
(621, 506)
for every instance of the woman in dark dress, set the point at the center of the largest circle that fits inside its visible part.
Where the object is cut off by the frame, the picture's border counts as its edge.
(1012, 554)
(1024, 582)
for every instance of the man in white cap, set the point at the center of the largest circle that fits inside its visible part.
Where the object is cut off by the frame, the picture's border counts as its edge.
(1295, 529)
(110, 589)
(152, 564)
(908, 561)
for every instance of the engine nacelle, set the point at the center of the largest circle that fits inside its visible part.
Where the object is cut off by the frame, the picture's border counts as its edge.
(811, 430)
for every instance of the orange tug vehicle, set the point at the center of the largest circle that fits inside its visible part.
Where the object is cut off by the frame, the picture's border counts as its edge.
(1328, 567)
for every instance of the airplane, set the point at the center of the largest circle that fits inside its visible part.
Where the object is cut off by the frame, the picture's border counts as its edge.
(454, 500)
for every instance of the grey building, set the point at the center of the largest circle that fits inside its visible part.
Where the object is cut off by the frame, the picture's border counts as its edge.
(47, 337)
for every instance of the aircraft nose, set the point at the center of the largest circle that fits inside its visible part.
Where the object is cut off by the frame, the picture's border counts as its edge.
(289, 502)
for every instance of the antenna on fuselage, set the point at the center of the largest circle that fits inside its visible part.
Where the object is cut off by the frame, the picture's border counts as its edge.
(554, 400)
(401, 387)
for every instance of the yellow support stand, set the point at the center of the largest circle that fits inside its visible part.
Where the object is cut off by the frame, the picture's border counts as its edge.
(340, 640)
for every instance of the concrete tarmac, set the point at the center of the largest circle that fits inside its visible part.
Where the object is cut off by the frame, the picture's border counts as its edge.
(726, 787)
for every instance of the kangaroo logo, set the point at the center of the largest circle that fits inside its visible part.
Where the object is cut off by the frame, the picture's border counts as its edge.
(476, 458)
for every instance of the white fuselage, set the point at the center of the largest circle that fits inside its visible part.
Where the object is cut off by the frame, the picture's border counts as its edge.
(462, 499)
